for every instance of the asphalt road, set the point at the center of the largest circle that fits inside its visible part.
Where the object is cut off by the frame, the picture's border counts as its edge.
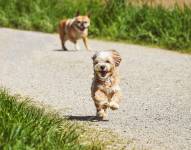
(156, 85)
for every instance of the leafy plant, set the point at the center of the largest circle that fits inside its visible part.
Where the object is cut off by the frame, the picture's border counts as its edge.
(110, 19)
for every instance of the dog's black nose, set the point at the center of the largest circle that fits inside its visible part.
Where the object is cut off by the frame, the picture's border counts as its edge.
(102, 67)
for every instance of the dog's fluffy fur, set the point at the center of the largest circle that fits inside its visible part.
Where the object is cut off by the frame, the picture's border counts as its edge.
(105, 88)
(74, 29)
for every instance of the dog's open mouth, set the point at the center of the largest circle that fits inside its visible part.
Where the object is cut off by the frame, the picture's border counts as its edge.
(81, 28)
(103, 73)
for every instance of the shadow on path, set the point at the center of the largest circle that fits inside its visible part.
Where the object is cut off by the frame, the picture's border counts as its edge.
(61, 50)
(84, 118)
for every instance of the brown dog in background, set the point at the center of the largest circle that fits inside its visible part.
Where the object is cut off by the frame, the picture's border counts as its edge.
(105, 88)
(74, 29)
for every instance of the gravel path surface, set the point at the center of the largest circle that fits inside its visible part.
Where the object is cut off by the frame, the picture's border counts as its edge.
(156, 84)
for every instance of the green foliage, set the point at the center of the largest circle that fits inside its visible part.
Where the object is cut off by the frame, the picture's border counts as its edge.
(3, 19)
(25, 127)
(110, 19)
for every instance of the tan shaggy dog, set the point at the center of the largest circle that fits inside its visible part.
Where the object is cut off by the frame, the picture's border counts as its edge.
(105, 88)
(74, 29)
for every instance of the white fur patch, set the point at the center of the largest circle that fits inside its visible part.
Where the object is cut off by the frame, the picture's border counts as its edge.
(86, 25)
(68, 24)
(103, 54)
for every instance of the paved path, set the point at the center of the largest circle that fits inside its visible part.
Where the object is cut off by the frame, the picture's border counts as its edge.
(156, 84)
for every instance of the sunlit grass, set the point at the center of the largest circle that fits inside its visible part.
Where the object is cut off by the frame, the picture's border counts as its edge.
(26, 127)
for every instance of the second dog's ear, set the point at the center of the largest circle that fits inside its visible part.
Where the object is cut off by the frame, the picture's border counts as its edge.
(116, 57)
(93, 57)
(77, 13)
(89, 14)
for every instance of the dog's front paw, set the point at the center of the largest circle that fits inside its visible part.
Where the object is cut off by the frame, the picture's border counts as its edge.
(102, 115)
(114, 105)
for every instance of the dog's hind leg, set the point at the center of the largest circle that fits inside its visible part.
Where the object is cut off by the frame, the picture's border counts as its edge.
(63, 41)
(62, 35)
(63, 45)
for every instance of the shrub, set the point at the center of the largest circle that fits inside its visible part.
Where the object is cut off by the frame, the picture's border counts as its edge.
(111, 19)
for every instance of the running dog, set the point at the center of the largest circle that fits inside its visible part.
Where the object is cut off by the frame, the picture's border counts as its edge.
(105, 88)
(74, 29)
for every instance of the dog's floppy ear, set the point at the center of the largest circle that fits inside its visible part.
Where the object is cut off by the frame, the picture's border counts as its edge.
(94, 56)
(116, 57)
(77, 13)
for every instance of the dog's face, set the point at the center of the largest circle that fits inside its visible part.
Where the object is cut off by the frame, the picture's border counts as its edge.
(105, 63)
(82, 22)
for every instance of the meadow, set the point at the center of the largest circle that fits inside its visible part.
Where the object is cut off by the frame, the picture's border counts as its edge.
(119, 20)
(24, 126)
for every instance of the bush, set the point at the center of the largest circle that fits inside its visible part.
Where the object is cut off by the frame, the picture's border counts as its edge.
(3, 19)
(23, 23)
(111, 19)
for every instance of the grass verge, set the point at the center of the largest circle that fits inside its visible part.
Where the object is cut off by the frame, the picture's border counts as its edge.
(110, 19)
(27, 127)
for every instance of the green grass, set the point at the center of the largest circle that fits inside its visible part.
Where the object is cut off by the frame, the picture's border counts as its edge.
(26, 127)
(111, 19)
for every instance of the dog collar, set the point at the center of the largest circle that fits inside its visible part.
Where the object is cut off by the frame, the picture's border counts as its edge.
(108, 80)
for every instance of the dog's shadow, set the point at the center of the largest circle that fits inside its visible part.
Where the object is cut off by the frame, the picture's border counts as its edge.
(61, 50)
(84, 118)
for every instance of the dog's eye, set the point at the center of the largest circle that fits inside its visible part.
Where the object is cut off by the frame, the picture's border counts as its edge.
(85, 21)
(78, 21)
(107, 61)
